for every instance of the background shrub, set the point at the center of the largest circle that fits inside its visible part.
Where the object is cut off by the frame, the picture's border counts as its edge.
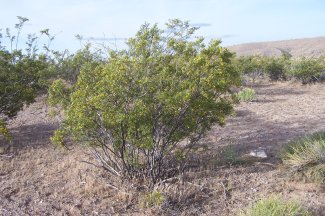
(304, 69)
(20, 75)
(276, 68)
(251, 66)
(67, 66)
(27, 72)
(308, 69)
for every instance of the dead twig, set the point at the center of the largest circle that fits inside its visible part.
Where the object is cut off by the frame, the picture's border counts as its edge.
(267, 164)
(224, 190)
(7, 156)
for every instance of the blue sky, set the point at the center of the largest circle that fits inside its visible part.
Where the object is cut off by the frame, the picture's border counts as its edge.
(233, 21)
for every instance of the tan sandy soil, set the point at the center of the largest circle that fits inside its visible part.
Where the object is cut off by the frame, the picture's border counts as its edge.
(40, 179)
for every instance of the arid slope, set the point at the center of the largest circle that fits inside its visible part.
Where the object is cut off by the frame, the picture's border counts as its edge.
(297, 47)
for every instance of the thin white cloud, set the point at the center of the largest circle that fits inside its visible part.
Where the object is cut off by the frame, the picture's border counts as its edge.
(248, 20)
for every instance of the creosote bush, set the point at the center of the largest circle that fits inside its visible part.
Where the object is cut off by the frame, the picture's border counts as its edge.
(144, 109)
(257, 66)
(276, 206)
(276, 68)
(306, 70)
(27, 72)
(20, 73)
(306, 157)
(251, 66)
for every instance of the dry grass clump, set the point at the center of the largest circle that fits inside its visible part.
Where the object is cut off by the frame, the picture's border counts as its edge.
(247, 94)
(154, 198)
(306, 157)
(181, 195)
(275, 206)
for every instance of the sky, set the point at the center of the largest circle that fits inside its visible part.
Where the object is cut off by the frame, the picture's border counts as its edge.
(232, 21)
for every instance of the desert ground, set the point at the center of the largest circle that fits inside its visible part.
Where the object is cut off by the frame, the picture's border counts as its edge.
(38, 178)
(308, 47)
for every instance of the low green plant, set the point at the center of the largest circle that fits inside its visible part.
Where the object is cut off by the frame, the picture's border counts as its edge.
(247, 94)
(229, 155)
(154, 198)
(4, 130)
(306, 156)
(275, 206)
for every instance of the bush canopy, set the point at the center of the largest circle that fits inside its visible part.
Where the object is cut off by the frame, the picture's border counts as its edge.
(149, 104)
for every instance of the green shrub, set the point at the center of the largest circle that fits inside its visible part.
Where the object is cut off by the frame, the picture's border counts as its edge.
(306, 156)
(135, 109)
(275, 68)
(19, 75)
(275, 206)
(307, 69)
(26, 73)
(247, 94)
(59, 93)
(251, 66)
(262, 66)
(68, 66)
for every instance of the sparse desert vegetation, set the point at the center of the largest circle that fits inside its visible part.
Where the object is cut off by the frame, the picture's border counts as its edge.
(168, 126)
(306, 156)
(275, 206)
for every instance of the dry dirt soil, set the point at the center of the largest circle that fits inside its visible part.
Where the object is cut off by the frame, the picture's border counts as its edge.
(38, 179)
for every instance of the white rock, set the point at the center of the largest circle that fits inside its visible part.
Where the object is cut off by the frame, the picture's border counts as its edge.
(260, 153)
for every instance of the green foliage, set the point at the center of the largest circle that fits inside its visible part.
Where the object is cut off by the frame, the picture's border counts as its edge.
(4, 130)
(252, 66)
(259, 66)
(59, 93)
(58, 137)
(18, 81)
(275, 68)
(247, 94)
(67, 66)
(137, 107)
(19, 76)
(155, 198)
(308, 69)
(306, 156)
(275, 206)
(25, 73)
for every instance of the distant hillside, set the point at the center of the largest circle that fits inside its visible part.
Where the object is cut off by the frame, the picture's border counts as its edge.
(297, 47)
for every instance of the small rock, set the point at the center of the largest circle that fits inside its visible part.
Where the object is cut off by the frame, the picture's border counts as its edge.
(260, 153)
